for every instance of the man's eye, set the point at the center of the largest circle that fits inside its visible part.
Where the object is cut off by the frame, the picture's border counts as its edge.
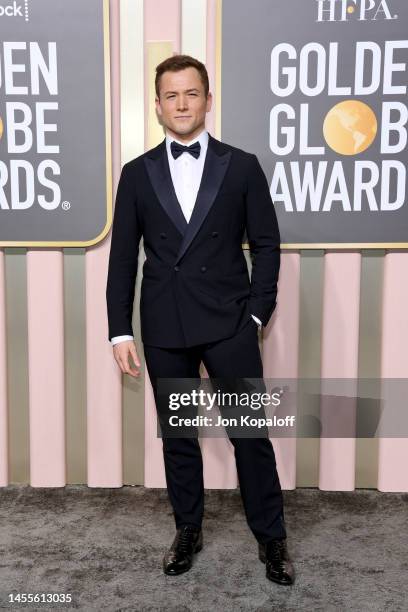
(193, 94)
(170, 97)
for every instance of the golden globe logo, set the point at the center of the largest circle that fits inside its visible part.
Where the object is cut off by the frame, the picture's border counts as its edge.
(345, 10)
(350, 127)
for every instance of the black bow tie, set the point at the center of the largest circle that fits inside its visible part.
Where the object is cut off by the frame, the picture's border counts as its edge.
(177, 149)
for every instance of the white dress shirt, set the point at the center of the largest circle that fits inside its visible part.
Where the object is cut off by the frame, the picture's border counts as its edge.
(186, 172)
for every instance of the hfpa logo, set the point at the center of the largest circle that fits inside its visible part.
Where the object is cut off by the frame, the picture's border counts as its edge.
(14, 9)
(345, 10)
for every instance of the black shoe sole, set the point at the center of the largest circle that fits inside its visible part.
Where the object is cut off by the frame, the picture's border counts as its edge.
(186, 569)
(280, 582)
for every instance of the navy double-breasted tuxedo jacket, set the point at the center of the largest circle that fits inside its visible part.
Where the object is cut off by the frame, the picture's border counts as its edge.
(195, 287)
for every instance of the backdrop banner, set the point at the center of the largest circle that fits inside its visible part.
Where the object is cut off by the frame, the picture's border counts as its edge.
(317, 89)
(55, 168)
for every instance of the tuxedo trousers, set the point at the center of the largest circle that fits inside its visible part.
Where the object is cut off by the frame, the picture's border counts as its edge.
(231, 358)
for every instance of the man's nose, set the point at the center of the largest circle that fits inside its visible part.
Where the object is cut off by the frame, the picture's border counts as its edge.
(182, 103)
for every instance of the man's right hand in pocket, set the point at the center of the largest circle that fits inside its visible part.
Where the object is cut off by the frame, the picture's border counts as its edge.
(123, 353)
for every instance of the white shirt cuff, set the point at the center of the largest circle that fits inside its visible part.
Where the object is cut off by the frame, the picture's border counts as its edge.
(117, 339)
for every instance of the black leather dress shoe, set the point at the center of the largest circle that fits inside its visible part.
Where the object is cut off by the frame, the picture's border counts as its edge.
(179, 557)
(279, 567)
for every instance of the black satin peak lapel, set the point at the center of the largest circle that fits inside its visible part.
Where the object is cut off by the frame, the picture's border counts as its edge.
(215, 167)
(159, 173)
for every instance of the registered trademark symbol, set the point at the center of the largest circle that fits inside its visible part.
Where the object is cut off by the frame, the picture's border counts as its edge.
(66, 205)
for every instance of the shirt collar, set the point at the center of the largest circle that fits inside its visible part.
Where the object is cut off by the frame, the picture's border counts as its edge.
(202, 138)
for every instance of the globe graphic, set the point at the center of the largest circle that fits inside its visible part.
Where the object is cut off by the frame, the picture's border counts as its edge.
(350, 127)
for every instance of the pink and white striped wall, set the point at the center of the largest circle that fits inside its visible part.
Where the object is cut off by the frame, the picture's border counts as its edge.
(66, 413)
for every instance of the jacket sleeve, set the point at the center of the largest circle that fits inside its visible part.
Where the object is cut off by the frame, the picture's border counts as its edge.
(264, 243)
(123, 258)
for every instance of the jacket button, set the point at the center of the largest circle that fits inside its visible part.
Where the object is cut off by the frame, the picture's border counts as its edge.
(176, 268)
(163, 235)
(203, 268)
(214, 234)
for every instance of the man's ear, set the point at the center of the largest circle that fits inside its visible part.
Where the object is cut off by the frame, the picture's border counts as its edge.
(158, 111)
(209, 101)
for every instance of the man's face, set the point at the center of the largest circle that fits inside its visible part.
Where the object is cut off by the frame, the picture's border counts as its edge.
(182, 105)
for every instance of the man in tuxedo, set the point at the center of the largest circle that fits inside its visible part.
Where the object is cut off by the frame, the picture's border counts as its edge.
(191, 198)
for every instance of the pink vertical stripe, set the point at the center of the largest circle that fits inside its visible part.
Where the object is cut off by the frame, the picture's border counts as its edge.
(340, 327)
(393, 452)
(104, 378)
(45, 290)
(4, 478)
(280, 355)
(161, 23)
(210, 62)
(219, 466)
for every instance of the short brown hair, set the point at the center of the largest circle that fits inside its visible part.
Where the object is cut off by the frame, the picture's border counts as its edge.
(180, 62)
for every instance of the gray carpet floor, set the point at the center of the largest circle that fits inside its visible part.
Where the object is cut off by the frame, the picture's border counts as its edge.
(105, 547)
